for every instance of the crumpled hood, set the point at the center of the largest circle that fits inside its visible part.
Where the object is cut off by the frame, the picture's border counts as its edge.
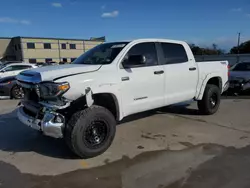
(50, 73)
(239, 74)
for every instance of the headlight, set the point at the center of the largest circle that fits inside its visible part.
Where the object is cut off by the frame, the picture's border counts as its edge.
(51, 89)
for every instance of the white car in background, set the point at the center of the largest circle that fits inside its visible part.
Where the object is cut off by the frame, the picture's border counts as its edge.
(12, 69)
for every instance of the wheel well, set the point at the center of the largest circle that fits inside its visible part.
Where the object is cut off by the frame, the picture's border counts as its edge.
(215, 81)
(108, 101)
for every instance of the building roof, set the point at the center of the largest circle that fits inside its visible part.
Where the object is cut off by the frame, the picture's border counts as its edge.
(51, 38)
(5, 38)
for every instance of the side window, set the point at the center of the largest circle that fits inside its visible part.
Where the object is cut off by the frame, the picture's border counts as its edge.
(8, 69)
(17, 67)
(25, 67)
(148, 50)
(174, 53)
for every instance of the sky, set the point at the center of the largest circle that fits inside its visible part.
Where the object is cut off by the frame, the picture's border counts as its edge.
(195, 21)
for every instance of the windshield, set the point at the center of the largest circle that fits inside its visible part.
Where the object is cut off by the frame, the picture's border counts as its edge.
(101, 54)
(241, 67)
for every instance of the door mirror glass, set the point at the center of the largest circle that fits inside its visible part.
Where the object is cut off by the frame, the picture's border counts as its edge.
(134, 61)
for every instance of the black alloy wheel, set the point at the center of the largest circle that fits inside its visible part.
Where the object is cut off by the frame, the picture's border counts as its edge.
(17, 92)
(96, 134)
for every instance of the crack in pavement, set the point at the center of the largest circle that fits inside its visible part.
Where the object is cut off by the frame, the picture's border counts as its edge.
(212, 123)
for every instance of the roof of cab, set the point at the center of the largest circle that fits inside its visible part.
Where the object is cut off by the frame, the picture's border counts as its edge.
(152, 40)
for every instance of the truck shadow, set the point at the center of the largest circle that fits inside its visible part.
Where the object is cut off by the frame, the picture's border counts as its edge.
(181, 109)
(16, 137)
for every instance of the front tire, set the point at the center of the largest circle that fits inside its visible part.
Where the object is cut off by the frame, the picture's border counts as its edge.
(210, 101)
(91, 131)
(17, 92)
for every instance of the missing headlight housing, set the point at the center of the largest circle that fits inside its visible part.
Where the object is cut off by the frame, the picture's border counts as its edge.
(52, 90)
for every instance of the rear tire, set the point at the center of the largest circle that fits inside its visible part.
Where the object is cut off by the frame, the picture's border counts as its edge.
(91, 131)
(210, 101)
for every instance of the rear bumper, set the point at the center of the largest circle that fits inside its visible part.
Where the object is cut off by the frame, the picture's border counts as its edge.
(49, 125)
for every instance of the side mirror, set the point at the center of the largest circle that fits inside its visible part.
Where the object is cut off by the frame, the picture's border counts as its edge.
(134, 61)
(2, 71)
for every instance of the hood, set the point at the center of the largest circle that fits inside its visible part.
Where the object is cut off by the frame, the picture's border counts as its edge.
(239, 74)
(50, 73)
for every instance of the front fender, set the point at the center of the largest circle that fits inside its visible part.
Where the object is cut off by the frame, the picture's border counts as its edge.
(88, 88)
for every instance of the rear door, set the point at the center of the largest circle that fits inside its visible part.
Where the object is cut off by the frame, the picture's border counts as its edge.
(181, 73)
(142, 87)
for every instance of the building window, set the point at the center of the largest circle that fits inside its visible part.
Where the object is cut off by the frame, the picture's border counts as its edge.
(16, 47)
(30, 45)
(72, 46)
(48, 60)
(63, 46)
(19, 46)
(73, 59)
(47, 46)
(64, 59)
(32, 60)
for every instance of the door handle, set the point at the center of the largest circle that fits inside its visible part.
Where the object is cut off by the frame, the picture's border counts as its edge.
(159, 72)
(192, 68)
(125, 78)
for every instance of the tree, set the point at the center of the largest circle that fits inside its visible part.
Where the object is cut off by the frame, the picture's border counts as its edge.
(196, 49)
(206, 51)
(214, 46)
(244, 48)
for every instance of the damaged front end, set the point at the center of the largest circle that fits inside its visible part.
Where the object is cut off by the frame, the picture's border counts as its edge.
(43, 106)
(49, 122)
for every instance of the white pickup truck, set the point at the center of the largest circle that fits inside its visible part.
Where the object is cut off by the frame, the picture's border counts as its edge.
(83, 101)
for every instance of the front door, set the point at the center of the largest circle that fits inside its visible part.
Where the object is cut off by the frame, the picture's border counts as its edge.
(142, 87)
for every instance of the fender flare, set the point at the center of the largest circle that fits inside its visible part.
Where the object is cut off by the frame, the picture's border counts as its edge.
(200, 92)
(90, 100)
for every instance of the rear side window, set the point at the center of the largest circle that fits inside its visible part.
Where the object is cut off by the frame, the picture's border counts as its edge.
(174, 53)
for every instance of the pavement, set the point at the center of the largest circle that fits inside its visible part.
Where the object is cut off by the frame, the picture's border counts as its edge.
(172, 147)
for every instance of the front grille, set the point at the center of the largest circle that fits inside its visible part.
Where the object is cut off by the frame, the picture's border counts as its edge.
(28, 112)
(30, 94)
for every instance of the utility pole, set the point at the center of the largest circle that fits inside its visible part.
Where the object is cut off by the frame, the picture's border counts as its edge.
(238, 48)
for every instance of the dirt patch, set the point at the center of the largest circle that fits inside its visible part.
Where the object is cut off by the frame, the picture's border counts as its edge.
(148, 137)
(187, 144)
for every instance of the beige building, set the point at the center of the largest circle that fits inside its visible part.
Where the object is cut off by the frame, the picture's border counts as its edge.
(37, 49)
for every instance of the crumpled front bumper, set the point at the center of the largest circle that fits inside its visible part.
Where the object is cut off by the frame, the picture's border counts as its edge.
(52, 123)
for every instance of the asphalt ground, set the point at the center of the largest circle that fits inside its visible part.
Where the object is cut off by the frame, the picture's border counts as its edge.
(170, 147)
